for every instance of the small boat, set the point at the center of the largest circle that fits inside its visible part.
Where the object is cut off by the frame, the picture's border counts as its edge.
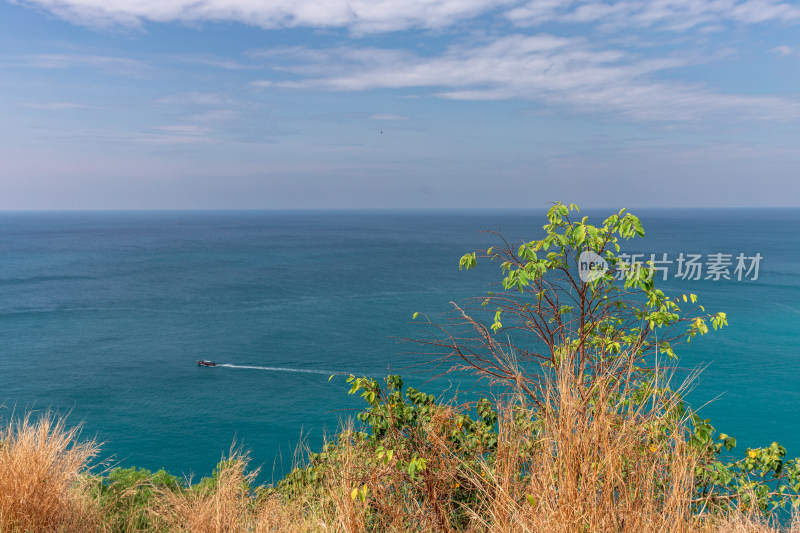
(206, 363)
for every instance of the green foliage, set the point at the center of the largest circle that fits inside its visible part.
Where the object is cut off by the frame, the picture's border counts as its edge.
(597, 323)
(600, 318)
(397, 417)
(604, 319)
(398, 427)
(606, 334)
(763, 479)
(395, 422)
(208, 485)
(127, 494)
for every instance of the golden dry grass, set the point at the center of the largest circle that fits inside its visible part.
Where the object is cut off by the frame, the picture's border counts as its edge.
(41, 460)
(582, 467)
(591, 468)
(226, 507)
(596, 467)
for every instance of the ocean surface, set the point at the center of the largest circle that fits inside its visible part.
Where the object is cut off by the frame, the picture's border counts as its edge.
(103, 314)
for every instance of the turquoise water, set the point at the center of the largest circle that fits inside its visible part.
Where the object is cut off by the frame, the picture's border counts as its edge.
(102, 314)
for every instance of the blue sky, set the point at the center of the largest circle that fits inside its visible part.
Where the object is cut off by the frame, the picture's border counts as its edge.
(119, 104)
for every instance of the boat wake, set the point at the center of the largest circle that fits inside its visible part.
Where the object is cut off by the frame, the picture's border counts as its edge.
(280, 369)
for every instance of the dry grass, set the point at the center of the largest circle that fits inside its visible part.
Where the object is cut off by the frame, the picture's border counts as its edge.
(325, 507)
(602, 466)
(224, 507)
(40, 463)
(743, 523)
(598, 467)
(580, 466)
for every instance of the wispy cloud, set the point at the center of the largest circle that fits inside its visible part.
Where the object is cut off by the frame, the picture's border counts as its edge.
(785, 51)
(118, 66)
(183, 129)
(676, 15)
(359, 15)
(180, 134)
(544, 68)
(205, 108)
(171, 134)
(391, 15)
(197, 98)
(350, 68)
(214, 116)
(56, 106)
(387, 116)
(215, 62)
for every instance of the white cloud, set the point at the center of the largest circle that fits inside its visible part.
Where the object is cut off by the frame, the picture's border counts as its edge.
(665, 14)
(542, 68)
(214, 116)
(119, 66)
(348, 68)
(784, 50)
(259, 84)
(359, 15)
(389, 15)
(387, 116)
(180, 134)
(56, 106)
(216, 62)
(197, 99)
(184, 129)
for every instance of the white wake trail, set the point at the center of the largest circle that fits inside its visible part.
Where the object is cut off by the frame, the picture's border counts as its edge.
(280, 369)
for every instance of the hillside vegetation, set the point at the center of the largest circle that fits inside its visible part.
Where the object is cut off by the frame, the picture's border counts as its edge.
(587, 434)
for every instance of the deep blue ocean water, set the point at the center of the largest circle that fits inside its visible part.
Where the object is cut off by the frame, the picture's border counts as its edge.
(103, 314)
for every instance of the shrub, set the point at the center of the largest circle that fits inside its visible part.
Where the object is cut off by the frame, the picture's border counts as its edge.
(41, 460)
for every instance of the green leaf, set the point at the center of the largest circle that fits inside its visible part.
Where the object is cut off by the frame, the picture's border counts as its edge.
(497, 324)
(468, 261)
(579, 234)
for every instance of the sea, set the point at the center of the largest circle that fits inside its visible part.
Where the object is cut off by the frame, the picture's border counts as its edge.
(103, 315)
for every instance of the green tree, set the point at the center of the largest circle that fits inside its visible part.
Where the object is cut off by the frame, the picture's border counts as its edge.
(611, 334)
(546, 312)
(548, 319)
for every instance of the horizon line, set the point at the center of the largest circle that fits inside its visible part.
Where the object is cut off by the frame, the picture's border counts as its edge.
(369, 209)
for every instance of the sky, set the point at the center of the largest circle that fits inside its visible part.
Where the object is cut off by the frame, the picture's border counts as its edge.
(265, 104)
